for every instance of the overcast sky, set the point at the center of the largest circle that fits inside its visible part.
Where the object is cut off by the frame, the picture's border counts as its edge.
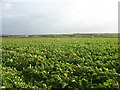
(59, 16)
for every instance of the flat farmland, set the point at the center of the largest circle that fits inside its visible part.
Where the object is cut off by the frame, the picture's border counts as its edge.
(57, 63)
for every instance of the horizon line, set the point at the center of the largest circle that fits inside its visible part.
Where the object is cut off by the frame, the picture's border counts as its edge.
(66, 33)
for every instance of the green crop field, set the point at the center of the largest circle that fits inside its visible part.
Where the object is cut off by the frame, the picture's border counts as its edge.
(56, 63)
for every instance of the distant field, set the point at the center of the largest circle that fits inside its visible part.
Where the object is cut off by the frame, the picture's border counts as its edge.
(56, 63)
(97, 35)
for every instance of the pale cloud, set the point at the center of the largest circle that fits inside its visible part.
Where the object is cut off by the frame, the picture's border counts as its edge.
(32, 0)
(60, 16)
(5, 6)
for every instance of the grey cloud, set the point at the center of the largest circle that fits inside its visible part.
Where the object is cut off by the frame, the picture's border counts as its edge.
(44, 17)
